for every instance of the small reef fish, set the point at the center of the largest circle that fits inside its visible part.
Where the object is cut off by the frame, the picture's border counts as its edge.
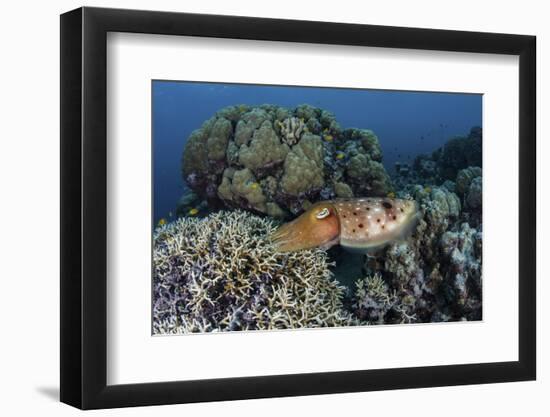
(162, 222)
(328, 138)
(193, 212)
(340, 155)
(358, 224)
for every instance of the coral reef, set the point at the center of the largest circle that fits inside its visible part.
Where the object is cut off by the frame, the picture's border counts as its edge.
(474, 196)
(295, 156)
(459, 153)
(435, 275)
(444, 164)
(373, 299)
(303, 168)
(220, 273)
(462, 250)
(265, 149)
(190, 204)
(464, 178)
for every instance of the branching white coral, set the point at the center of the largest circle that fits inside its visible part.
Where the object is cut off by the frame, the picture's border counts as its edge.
(221, 273)
(291, 130)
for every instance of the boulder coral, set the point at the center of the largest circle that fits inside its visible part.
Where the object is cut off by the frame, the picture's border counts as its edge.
(265, 149)
(296, 156)
(475, 196)
(220, 273)
(303, 167)
(464, 178)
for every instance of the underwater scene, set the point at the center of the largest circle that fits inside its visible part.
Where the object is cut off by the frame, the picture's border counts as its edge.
(284, 207)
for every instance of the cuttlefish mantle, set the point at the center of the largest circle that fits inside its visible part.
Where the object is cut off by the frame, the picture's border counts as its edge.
(359, 224)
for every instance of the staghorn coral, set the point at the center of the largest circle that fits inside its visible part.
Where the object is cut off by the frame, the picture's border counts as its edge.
(220, 274)
(303, 152)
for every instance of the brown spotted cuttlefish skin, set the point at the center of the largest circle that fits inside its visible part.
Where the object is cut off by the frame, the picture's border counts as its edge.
(359, 224)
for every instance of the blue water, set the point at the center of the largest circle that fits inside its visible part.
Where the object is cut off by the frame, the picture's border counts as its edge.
(406, 123)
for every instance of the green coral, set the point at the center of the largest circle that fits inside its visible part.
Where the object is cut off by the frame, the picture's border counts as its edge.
(302, 151)
(343, 190)
(306, 112)
(303, 167)
(281, 114)
(274, 210)
(368, 141)
(265, 148)
(368, 176)
(357, 167)
(256, 117)
(233, 113)
(242, 184)
(218, 138)
(243, 132)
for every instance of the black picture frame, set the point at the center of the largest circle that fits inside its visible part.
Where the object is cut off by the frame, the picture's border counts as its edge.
(84, 207)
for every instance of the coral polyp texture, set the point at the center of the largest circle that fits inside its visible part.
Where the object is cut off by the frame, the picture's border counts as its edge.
(221, 273)
(277, 161)
(434, 275)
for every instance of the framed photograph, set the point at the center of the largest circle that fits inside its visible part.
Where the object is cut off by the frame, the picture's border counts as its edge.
(258, 208)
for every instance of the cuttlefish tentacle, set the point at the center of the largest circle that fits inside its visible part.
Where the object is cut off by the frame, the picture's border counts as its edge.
(357, 224)
(304, 232)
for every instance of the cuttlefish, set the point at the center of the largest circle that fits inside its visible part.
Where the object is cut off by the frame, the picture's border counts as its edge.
(359, 224)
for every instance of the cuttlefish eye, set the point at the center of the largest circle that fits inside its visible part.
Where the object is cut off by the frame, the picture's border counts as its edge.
(317, 227)
(325, 212)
